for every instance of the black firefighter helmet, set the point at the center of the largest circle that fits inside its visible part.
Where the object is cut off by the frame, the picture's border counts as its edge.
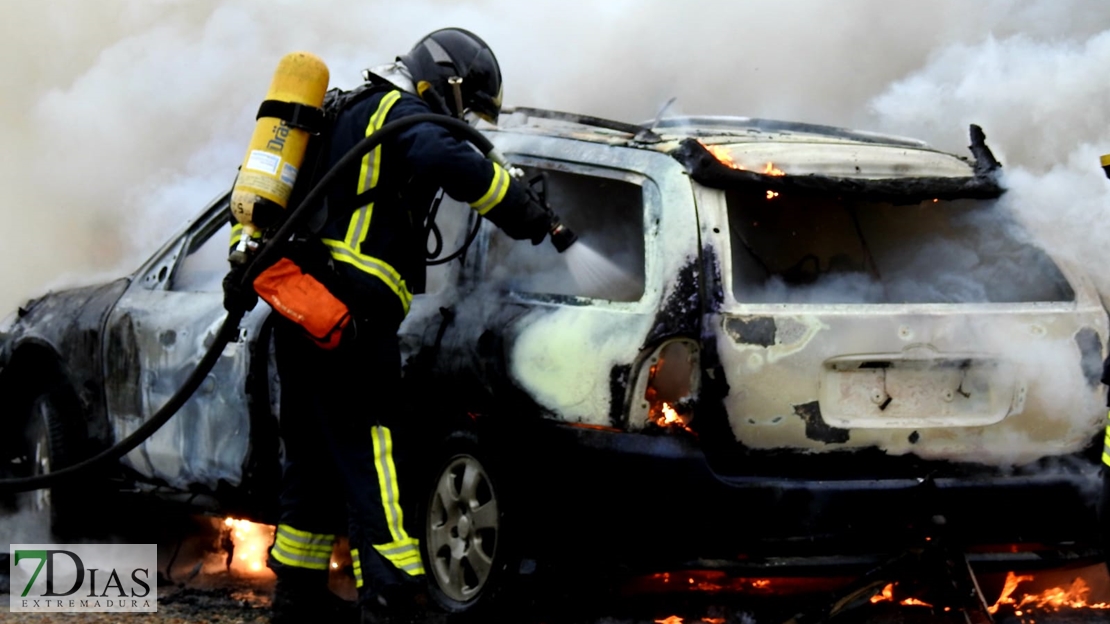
(456, 72)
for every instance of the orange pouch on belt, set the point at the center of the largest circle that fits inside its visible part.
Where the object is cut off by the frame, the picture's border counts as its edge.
(302, 299)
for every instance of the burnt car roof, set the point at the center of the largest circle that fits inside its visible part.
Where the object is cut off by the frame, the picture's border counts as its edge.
(663, 133)
(730, 152)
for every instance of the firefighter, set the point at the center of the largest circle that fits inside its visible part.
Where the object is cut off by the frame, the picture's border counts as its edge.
(1104, 499)
(339, 409)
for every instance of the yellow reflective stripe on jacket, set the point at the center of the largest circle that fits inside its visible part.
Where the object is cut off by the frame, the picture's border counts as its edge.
(496, 192)
(302, 549)
(359, 226)
(369, 173)
(349, 249)
(374, 266)
(404, 551)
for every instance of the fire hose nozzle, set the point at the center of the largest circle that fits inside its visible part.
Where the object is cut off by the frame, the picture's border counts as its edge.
(562, 237)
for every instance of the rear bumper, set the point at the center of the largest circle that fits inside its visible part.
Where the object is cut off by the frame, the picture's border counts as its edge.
(661, 492)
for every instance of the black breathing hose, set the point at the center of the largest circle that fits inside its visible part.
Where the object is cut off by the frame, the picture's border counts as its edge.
(267, 255)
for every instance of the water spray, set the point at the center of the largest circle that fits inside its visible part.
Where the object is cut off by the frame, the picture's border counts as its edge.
(561, 236)
(595, 274)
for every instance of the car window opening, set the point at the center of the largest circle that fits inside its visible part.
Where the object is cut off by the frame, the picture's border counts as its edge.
(827, 250)
(205, 264)
(607, 215)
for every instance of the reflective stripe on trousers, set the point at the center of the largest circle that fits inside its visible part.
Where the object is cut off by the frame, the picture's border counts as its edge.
(1106, 443)
(302, 549)
(404, 551)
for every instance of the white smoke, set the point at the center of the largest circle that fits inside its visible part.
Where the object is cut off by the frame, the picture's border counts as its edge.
(123, 118)
(1044, 113)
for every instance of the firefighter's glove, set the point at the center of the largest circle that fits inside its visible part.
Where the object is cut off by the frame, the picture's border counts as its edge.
(537, 227)
(237, 295)
(528, 221)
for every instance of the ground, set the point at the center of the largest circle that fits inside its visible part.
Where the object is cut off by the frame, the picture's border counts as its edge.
(201, 595)
(195, 584)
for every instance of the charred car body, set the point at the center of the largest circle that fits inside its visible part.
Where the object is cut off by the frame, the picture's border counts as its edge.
(773, 341)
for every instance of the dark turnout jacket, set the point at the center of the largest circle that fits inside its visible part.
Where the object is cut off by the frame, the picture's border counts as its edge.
(375, 225)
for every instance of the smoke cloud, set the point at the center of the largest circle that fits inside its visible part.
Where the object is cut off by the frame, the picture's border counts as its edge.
(122, 119)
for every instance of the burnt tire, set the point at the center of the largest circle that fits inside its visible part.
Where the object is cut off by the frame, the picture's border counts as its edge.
(469, 548)
(54, 438)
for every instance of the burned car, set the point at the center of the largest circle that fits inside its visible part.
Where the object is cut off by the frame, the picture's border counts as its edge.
(774, 344)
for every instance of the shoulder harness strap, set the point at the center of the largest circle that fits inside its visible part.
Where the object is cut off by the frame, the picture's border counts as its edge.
(300, 116)
(335, 102)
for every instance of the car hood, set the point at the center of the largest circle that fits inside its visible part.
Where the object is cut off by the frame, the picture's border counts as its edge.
(50, 318)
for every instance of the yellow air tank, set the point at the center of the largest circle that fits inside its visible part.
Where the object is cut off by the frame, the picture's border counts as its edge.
(285, 122)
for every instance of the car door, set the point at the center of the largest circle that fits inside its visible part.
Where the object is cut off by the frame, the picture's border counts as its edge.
(575, 326)
(158, 332)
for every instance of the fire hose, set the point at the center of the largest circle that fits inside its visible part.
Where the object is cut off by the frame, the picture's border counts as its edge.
(267, 254)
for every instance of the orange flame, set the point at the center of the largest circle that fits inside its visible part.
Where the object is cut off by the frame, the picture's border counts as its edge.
(664, 415)
(721, 153)
(1072, 597)
(250, 541)
(772, 194)
(723, 156)
(887, 595)
(677, 620)
(670, 417)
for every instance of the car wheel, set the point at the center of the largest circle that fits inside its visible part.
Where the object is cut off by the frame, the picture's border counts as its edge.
(469, 554)
(53, 441)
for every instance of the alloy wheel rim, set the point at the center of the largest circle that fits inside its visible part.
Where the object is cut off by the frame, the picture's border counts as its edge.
(462, 528)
